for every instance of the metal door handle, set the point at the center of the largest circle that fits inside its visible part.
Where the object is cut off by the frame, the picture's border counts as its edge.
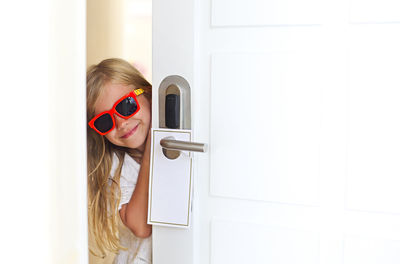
(183, 145)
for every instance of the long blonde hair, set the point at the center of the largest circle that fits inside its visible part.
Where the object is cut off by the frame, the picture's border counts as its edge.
(103, 190)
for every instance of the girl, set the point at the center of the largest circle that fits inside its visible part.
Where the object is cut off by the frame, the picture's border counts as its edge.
(118, 136)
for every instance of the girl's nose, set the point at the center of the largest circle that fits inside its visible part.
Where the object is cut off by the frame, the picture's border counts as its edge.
(119, 121)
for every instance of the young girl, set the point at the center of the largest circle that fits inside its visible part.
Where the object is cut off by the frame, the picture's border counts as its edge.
(118, 136)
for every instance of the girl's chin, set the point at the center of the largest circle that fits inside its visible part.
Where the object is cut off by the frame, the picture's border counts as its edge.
(136, 141)
(131, 145)
(136, 145)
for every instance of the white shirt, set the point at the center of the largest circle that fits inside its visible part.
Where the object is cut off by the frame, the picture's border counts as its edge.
(139, 249)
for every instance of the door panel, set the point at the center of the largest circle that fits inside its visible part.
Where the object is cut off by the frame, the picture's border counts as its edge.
(255, 12)
(265, 126)
(374, 11)
(244, 242)
(373, 148)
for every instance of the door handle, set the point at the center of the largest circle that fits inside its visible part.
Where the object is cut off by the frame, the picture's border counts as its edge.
(172, 144)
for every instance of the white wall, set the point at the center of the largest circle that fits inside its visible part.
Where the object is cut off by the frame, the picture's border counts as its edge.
(43, 171)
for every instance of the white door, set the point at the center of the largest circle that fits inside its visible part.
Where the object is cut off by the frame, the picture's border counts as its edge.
(299, 103)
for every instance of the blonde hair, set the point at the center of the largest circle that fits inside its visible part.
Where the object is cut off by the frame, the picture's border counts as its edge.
(103, 190)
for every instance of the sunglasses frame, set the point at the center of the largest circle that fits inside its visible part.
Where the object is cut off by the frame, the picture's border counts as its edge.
(112, 111)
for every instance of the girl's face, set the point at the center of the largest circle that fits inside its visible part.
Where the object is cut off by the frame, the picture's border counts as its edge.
(130, 132)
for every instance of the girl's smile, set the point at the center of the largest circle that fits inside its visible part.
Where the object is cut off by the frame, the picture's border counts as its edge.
(130, 132)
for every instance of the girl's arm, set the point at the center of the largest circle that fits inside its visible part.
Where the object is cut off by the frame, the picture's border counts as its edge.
(134, 213)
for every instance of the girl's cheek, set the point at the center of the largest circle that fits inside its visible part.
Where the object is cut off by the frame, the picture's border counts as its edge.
(111, 137)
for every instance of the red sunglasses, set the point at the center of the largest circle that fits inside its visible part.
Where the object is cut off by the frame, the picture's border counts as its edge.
(126, 107)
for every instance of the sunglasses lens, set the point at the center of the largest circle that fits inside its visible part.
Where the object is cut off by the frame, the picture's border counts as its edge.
(127, 106)
(103, 123)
